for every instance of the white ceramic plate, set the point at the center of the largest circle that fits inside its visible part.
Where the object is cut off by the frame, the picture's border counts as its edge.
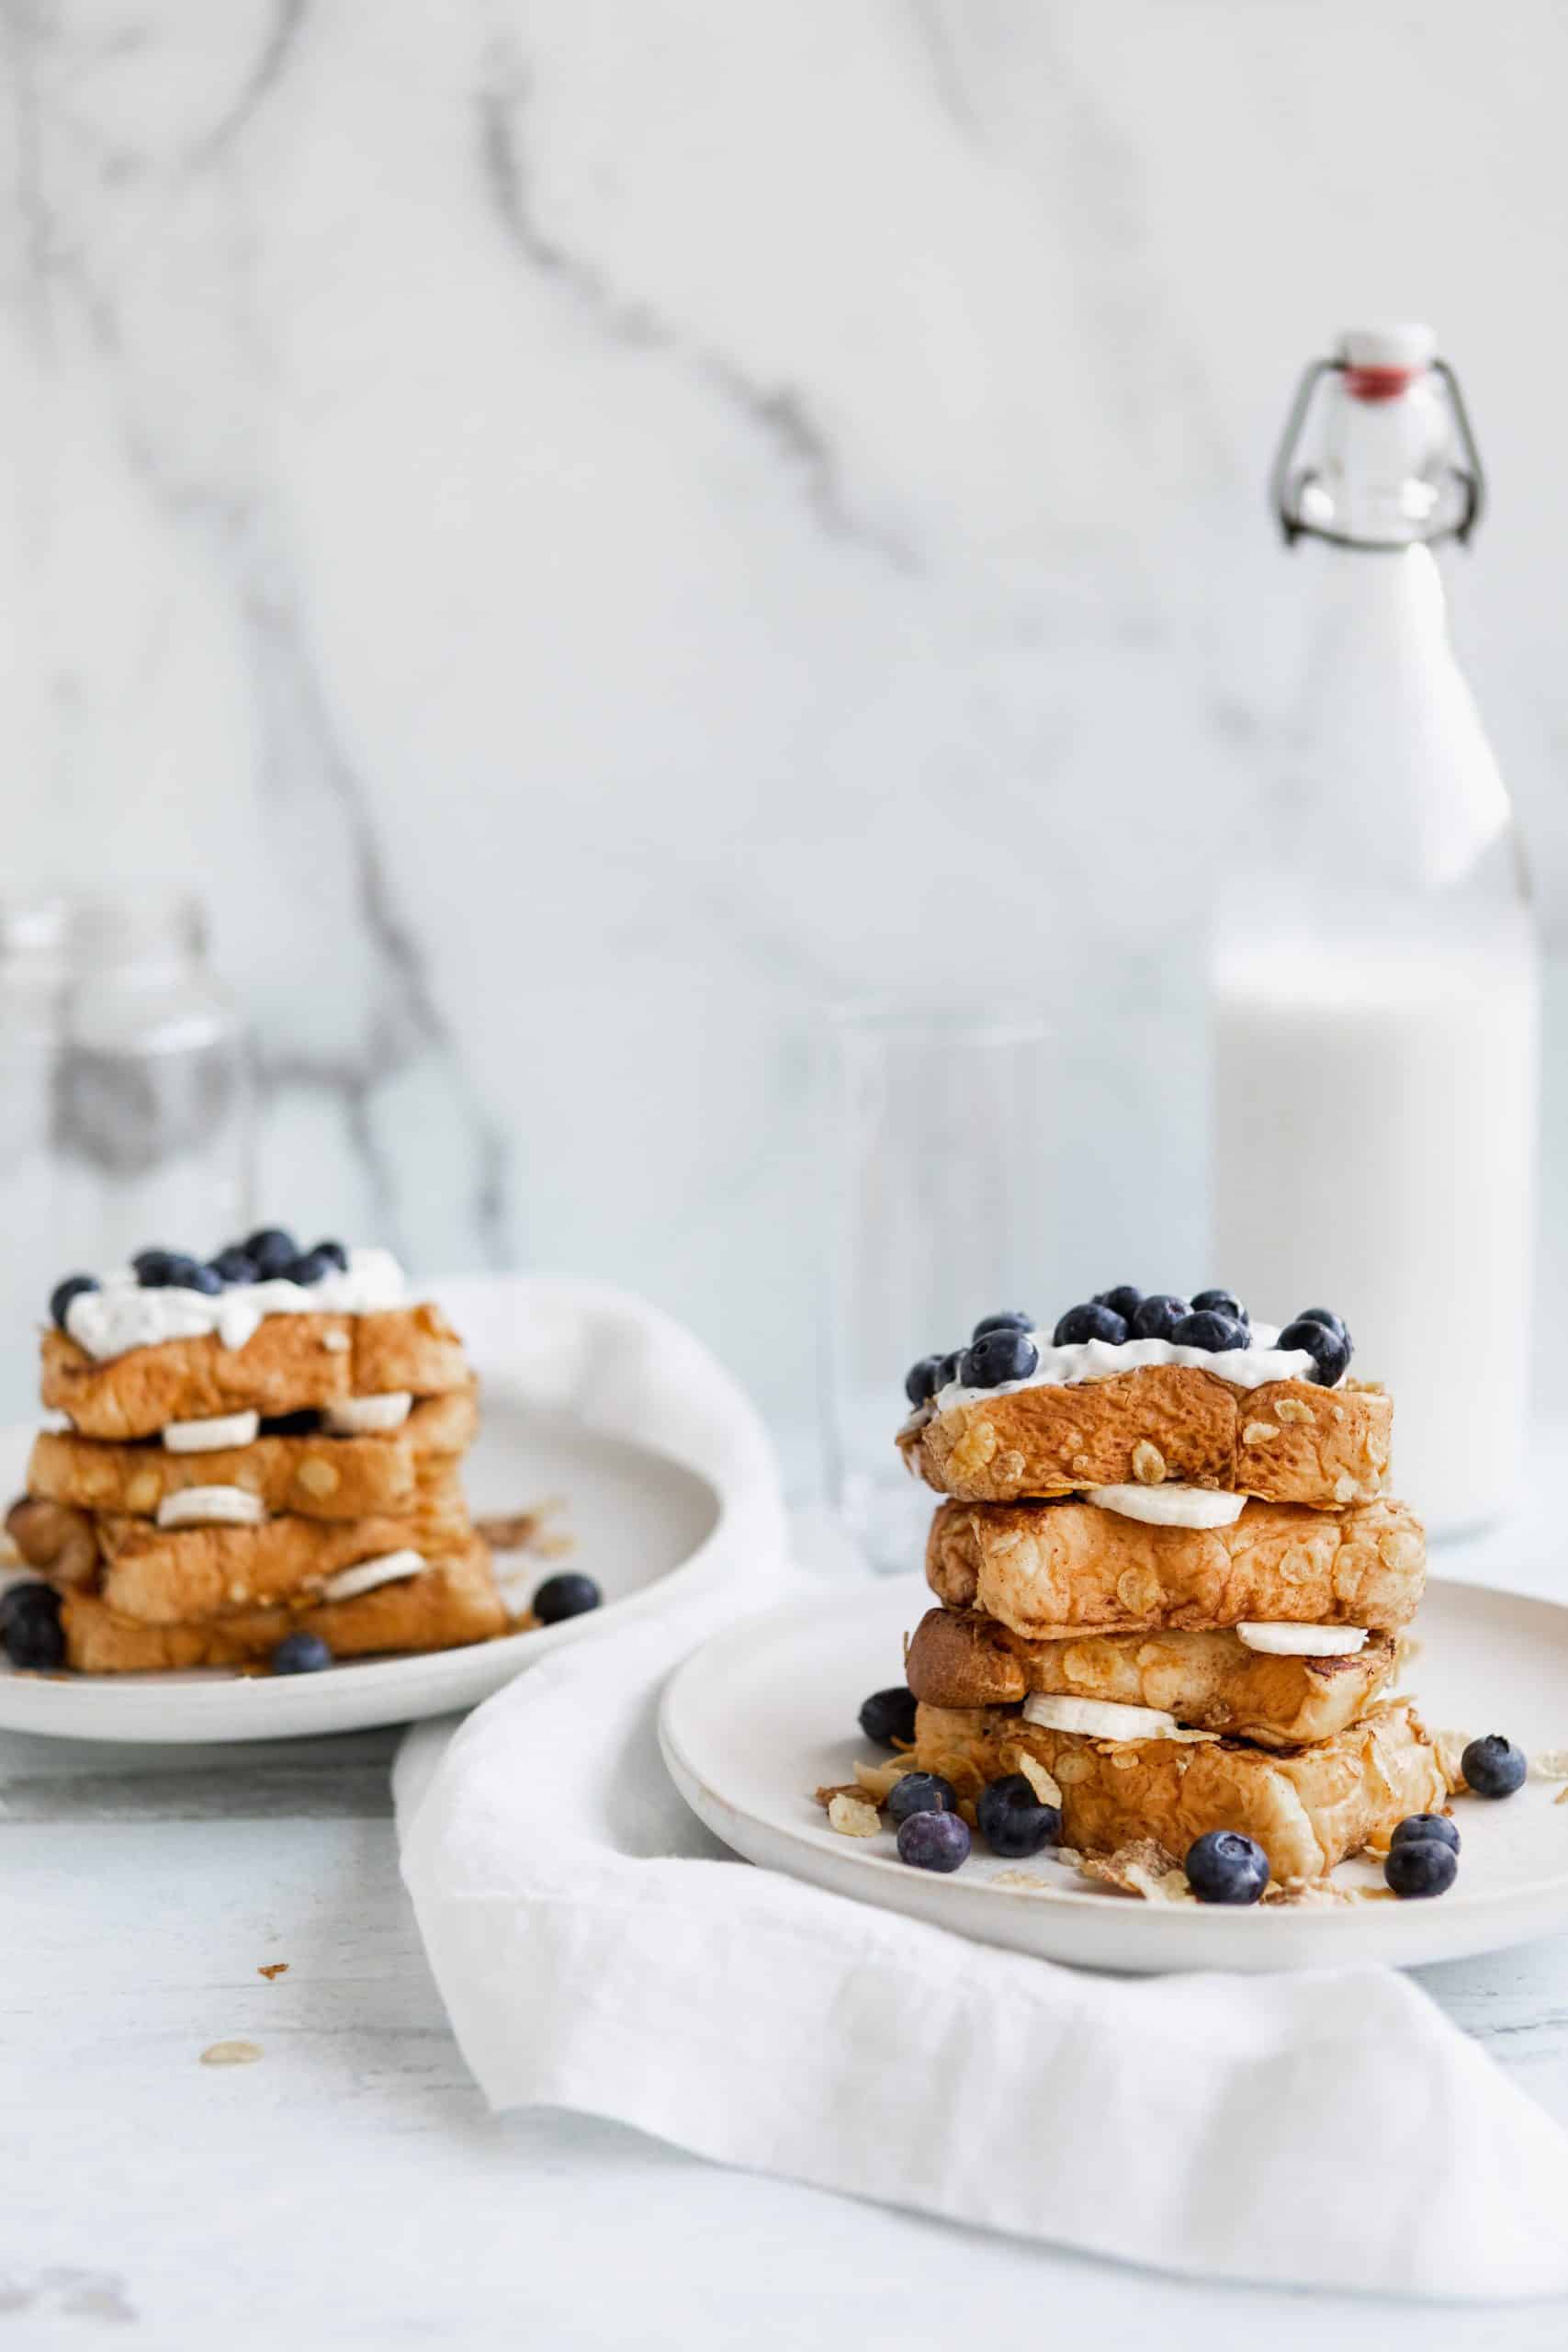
(765, 1713)
(641, 1524)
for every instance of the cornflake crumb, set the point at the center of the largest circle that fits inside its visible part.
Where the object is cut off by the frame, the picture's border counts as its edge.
(1025, 1882)
(1448, 1747)
(853, 1814)
(273, 1969)
(878, 1779)
(1561, 1797)
(231, 2053)
(1550, 1764)
(1045, 1789)
(1142, 1868)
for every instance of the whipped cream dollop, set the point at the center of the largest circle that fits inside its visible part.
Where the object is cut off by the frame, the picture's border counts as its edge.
(1086, 1360)
(119, 1315)
(1171, 1506)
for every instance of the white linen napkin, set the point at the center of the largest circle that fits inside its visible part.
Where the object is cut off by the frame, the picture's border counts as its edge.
(596, 1949)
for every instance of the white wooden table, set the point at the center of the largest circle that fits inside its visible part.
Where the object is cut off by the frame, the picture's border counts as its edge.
(348, 2187)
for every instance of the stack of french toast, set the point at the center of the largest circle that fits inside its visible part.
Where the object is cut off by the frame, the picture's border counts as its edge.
(256, 1458)
(1169, 1574)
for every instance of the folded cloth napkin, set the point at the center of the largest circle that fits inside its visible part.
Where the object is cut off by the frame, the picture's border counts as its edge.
(596, 1949)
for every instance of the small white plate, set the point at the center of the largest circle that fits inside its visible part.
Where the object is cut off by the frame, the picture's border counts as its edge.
(642, 1527)
(765, 1713)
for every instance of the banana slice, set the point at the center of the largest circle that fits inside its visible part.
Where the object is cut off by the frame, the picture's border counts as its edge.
(1099, 1718)
(211, 1507)
(1304, 1641)
(390, 1567)
(1173, 1505)
(212, 1436)
(368, 1416)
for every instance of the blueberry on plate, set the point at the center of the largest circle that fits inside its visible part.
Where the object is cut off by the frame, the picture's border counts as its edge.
(1000, 1355)
(1329, 1351)
(301, 1653)
(310, 1267)
(1426, 1825)
(934, 1841)
(234, 1265)
(1011, 1318)
(61, 1297)
(889, 1716)
(272, 1251)
(1012, 1820)
(1221, 1302)
(921, 1793)
(1092, 1321)
(1124, 1300)
(1225, 1866)
(1493, 1767)
(1421, 1866)
(920, 1382)
(30, 1631)
(571, 1595)
(1158, 1315)
(1215, 1333)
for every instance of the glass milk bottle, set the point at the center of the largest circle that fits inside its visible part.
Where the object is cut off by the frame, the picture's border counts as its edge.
(1374, 972)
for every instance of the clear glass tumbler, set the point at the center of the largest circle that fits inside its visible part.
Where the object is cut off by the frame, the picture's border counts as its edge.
(938, 1158)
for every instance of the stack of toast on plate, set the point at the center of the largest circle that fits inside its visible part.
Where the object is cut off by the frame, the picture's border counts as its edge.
(1169, 1574)
(267, 1446)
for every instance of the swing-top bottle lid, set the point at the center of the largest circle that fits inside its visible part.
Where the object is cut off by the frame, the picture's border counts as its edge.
(1380, 360)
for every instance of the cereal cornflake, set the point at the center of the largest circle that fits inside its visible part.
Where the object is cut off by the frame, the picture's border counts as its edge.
(852, 1815)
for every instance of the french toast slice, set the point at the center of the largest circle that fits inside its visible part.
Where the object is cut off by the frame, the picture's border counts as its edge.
(1307, 1807)
(291, 1363)
(452, 1602)
(315, 1475)
(1289, 1441)
(1211, 1681)
(1047, 1568)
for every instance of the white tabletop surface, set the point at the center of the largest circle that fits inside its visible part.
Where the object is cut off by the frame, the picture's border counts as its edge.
(348, 2187)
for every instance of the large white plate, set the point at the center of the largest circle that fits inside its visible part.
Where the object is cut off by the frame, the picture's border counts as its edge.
(765, 1713)
(643, 1526)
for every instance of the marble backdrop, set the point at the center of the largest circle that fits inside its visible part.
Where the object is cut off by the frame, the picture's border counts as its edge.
(592, 529)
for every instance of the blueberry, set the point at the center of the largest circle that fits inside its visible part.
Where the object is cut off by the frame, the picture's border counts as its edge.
(151, 1268)
(1421, 1866)
(1123, 1301)
(61, 1297)
(921, 1793)
(1000, 1355)
(1426, 1825)
(1221, 1302)
(303, 1422)
(561, 1597)
(1090, 1322)
(1158, 1315)
(273, 1251)
(934, 1841)
(1329, 1351)
(1014, 1822)
(1225, 1866)
(1493, 1767)
(1325, 1316)
(1012, 1319)
(187, 1274)
(1206, 1327)
(234, 1265)
(948, 1368)
(919, 1381)
(301, 1653)
(310, 1266)
(333, 1252)
(889, 1716)
(30, 1631)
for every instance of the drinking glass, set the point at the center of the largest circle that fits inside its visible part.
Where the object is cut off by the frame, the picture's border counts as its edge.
(938, 1164)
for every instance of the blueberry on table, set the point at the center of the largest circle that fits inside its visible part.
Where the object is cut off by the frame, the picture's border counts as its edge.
(1493, 1767)
(61, 1297)
(1000, 1355)
(921, 1380)
(921, 1793)
(1329, 1351)
(1215, 1333)
(1421, 1866)
(30, 1630)
(1426, 1825)
(889, 1716)
(1158, 1315)
(1221, 1302)
(1225, 1866)
(561, 1597)
(272, 1250)
(1092, 1321)
(1012, 1820)
(1012, 1319)
(234, 1265)
(1123, 1301)
(934, 1841)
(301, 1653)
